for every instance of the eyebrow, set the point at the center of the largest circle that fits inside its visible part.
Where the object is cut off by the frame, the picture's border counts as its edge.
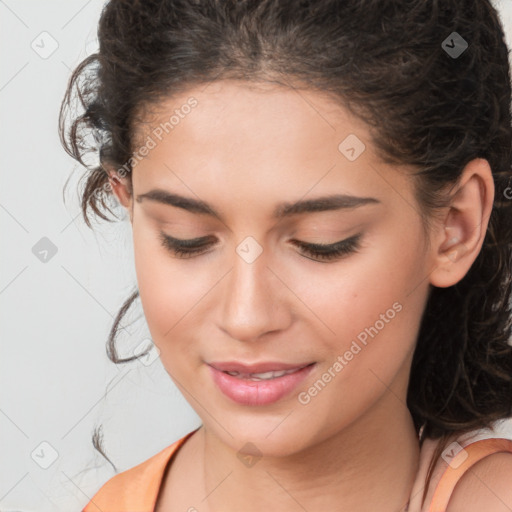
(282, 210)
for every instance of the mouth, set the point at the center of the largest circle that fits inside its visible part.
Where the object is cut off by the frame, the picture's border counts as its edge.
(270, 383)
(257, 376)
(237, 368)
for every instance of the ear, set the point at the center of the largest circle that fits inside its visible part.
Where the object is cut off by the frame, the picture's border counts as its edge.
(458, 239)
(122, 188)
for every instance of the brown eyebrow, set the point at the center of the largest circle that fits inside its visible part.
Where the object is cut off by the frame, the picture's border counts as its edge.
(319, 204)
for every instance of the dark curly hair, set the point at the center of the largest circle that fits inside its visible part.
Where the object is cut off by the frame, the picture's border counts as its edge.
(384, 61)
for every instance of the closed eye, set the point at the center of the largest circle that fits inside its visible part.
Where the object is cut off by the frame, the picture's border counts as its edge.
(331, 251)
(196, 246)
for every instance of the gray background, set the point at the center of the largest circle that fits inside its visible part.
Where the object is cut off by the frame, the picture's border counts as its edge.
(56, 310)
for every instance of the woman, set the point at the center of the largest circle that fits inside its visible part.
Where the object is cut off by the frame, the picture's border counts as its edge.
(322, 240)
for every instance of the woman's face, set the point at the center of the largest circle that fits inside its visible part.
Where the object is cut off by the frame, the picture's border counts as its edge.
(252, 294)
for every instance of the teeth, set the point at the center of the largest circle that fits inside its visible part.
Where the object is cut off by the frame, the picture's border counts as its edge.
(262, 376)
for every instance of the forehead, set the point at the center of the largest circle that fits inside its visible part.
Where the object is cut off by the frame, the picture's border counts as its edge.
(237, 108)
(237, 140)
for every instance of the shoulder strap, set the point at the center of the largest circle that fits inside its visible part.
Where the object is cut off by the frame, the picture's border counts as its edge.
(136, 488)
(461, 462)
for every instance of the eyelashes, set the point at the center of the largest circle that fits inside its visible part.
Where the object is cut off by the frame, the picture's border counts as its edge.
(318, 252)
(331, 251)
(184, 248)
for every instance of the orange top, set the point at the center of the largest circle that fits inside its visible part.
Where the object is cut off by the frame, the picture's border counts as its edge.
(460, 463)
(137, 489)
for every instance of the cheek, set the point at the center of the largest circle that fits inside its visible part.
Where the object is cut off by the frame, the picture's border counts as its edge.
(167, 287)
(368, 307)
(176, 297)
(369, 323)
(353, 293)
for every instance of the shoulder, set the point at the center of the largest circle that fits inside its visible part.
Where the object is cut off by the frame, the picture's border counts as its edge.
(487, 485)
(136, 487)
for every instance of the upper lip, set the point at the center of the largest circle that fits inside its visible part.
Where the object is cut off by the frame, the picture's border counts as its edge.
(266, 366)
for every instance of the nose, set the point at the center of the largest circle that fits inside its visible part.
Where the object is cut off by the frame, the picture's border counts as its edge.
(255, 300)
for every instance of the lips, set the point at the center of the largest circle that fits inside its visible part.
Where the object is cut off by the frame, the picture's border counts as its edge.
(258, 388)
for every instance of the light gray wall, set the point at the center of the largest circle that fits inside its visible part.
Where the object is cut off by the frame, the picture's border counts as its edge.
(55, 315)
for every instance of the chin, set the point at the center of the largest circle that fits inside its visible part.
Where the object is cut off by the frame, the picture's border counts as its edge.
(262, 436)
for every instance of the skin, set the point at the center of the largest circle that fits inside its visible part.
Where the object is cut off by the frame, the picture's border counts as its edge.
(244, 150)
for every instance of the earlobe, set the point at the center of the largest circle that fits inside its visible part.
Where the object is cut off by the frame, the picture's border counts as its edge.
(460, 237)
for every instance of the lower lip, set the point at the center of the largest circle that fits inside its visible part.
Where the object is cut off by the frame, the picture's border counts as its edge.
(261, 392)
